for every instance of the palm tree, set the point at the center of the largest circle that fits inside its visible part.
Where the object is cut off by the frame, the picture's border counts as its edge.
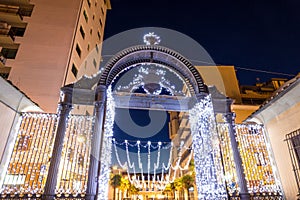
(125, 185)
(115, 182)
(133, 190)
(192, 168)
(178, 186)
(187, 183)
(170, 188)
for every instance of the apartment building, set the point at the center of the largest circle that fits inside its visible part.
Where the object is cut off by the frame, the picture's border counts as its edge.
(62, 42)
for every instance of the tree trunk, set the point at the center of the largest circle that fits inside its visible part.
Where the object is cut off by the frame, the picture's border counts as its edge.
(114, 195)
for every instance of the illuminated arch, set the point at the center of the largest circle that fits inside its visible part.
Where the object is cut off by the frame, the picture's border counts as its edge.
(154, 54)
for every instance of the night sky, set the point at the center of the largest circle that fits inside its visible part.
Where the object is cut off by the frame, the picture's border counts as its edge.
(261, 35)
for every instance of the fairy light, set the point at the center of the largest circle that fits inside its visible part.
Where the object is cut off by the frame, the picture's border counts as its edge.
(148, 74)
(209, 172)
(152, 181)
(75, 159)
(107, 147)
(228, 161)
(257, 160)
(156, 165)
(34, 144)
(31, 151)
(151, 39)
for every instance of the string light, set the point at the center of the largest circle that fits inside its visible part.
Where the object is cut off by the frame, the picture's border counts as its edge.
(150, 73)
(154, 181)
(209, 171)
(228, 161)
(107, 147)
(151, 39)
(256, 157)
(72, 176)
(28, 167)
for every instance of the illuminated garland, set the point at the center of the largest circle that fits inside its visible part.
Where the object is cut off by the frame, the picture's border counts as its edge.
(257, 160)
(107, 147)
(228, 160)
(72, 173)
(157, 182)
(208, 164)
(28, 167)
(145, 71)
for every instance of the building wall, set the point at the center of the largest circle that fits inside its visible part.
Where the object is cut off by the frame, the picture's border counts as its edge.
(224, 78)
(88, 38)
(277, 128)
(6, 122)
(12, 25)
(12, 102)
(243, 111)
(39, 67)
(281, 117)
(48, 48)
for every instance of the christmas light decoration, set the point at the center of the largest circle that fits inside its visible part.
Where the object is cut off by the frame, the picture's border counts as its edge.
(150, 73)
(151, 39)
(207, 158)
(107, 147)
(152, 181)
(228, 161)
(28, 166)
(257, 163)
(72, 173)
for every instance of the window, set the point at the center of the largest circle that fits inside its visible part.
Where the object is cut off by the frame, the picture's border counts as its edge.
(89, 3)
(82, 32)
(9, 53)
(88, 47)
(102, 11)
(85, 16)
(101, 24)
(24, 143)
(97, 48)
(74, 70)
(293, 141)
(91, 31)
(78, 50)
(4, 75)
(95, 63)
(99, 35)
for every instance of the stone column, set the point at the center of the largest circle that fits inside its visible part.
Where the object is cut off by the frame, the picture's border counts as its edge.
(96, 142)
(244, 194)
(64, 108)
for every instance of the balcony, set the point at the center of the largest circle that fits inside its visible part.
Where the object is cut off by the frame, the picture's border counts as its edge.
(24, 6)
(4, 71)
(12, 16)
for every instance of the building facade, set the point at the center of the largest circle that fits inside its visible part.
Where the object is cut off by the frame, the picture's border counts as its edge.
(58, 155)
(12, 26)
(12, 103)
(280, 115)
(62, 42)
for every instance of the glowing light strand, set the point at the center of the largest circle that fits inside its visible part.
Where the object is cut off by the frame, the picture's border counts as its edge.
(107, 147)
(208, 167)
(156, 182)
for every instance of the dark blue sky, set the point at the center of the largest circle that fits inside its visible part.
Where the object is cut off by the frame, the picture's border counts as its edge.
(262, 35)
